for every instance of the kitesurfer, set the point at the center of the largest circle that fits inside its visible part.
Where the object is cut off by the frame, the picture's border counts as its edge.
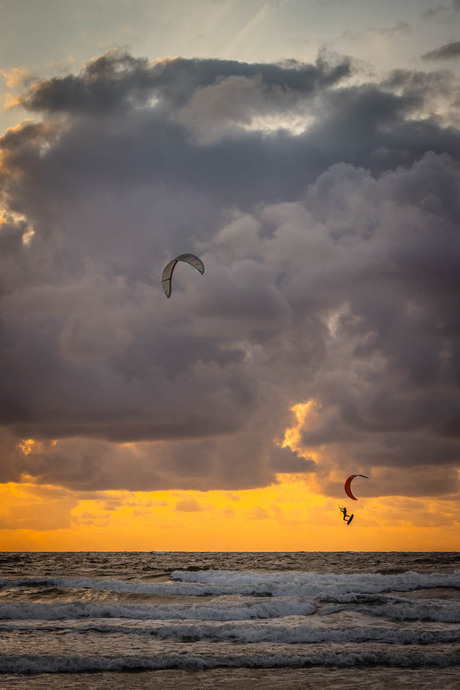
(346, 517)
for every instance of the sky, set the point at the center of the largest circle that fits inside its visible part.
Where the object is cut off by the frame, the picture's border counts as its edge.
(308, 152)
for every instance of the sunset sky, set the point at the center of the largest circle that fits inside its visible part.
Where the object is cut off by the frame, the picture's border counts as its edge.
(308, 151)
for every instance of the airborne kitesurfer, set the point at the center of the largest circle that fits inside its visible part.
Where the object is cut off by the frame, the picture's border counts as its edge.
(346, 517)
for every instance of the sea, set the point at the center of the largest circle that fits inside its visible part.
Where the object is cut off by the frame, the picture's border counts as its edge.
(229, 620)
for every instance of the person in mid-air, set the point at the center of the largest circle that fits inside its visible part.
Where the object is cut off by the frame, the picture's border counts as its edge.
(343, 510)
(346, 517)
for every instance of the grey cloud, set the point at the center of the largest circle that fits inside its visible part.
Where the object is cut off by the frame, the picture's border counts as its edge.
(284, 460)
(237, 461)
(389, 32)
(442, 10)
(188, 505)
(399, 27)
(445, 52)
(434, 11)
(117, 81)
(331, 274)
(149, 154)
(396, 401)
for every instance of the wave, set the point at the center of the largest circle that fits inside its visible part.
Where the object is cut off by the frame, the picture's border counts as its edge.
(190, 661)
(311, 584)
(217, 611)
(393, 607)
(288, 631)
(435, 610)
(249, 583)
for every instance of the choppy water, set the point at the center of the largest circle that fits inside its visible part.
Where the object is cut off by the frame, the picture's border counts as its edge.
(241, 620)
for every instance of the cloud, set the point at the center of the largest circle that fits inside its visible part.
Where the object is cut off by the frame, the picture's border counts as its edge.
(399, 27)
(258, 513)
(117, 82)
(445, 52)
(23, 507)
(16, 77)
(440, 10)
(331, 255)
(435, 11)
(188, 505)
(284, 460)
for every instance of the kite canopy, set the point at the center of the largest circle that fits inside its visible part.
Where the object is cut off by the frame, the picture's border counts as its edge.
(348, 485)
(168, 270)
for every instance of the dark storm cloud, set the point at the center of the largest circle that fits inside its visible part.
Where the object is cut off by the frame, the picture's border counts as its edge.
(283, 460)
(445, 52)
(331, 261)
(91, 465)
(119, 81)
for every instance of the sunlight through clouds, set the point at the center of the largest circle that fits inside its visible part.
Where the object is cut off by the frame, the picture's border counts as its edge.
(320, 193)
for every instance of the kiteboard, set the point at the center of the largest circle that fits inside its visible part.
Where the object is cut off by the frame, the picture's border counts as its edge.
(351, 518)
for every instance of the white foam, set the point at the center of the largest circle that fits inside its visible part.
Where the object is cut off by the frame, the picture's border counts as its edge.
(291, 630)
(394, 607)
(313, 584)
(219, 582)
(281, 594)
(241, 610)
(193, 659)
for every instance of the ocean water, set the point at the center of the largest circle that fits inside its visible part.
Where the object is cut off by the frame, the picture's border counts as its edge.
(229, 620)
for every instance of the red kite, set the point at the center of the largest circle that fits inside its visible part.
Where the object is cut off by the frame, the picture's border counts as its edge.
(348, 485)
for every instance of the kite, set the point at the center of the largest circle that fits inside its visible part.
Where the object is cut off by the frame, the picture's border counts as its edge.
(168, 270)
(348, 485)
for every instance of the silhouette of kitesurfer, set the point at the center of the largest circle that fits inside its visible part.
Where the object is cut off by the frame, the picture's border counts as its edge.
(346, 517)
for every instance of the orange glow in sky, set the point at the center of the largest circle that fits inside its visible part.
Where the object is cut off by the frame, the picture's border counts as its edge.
(283, 517)
(290, 515)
